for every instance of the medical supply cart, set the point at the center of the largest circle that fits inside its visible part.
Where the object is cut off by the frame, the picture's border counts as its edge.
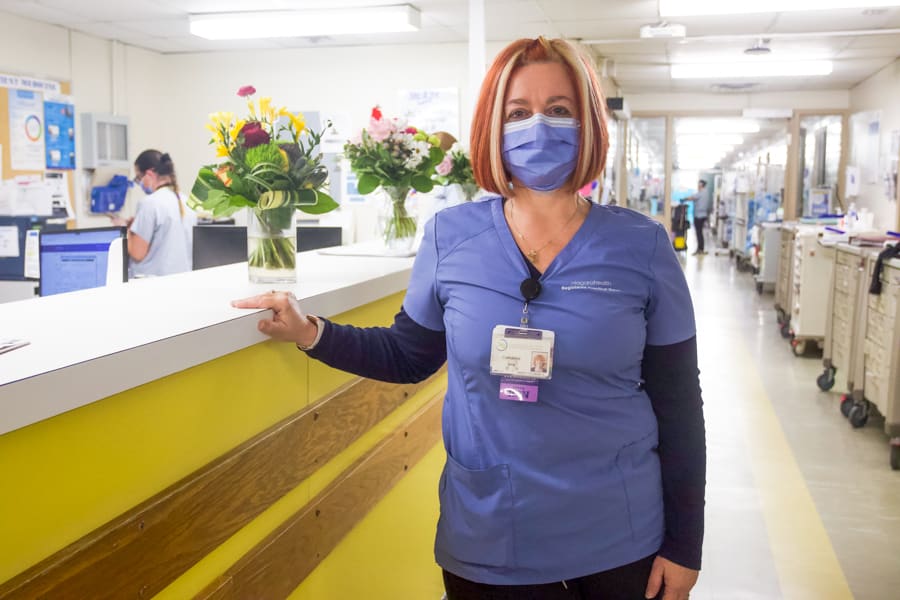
(812, 272)
(784, 277)
(768, 254)
(846, 325)
(882, 356)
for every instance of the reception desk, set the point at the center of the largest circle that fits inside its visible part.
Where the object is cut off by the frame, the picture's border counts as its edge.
(154, 444)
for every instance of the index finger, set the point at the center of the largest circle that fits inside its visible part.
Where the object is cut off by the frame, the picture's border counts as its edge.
(260, 301)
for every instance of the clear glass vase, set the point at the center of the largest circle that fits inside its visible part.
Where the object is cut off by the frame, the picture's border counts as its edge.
(396, 221)
(272, 245)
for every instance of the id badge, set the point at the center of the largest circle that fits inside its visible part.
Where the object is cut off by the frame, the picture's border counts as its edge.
(522, 353)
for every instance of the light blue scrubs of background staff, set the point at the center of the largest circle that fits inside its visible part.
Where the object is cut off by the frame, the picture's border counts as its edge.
(515, 510)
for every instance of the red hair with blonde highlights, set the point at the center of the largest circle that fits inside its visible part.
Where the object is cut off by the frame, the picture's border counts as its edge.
(486, 142)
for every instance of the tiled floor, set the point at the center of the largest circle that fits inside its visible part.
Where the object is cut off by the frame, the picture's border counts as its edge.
(800, 505)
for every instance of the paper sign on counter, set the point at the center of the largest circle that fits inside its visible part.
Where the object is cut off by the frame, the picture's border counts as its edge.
(9, 241)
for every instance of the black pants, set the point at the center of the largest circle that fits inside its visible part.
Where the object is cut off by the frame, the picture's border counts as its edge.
(627, 582)
(699, 224)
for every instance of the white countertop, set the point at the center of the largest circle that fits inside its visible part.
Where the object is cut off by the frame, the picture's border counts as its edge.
(87, 345)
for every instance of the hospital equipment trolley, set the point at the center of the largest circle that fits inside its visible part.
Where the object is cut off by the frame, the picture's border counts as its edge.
(768, 236)
(812, 272)
(882, 355)
(846, 325)
(784, 277)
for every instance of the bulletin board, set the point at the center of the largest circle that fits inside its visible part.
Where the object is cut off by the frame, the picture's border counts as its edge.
(24, 99)
(6, 141)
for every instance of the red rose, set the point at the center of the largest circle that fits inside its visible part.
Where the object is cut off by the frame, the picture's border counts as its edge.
(412, 130)
(376, 114)
(254, 135)
(247, 90)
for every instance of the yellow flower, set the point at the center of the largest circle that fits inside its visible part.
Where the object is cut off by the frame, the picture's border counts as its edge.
(252, 108)
(221, 118)
(287, 161)
(236, 129)
(221, 150)
(298, 122)
(265, 109)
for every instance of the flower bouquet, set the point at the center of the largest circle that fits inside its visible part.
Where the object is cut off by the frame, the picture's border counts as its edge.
(269, 165)
(456, 168)
(397, 158)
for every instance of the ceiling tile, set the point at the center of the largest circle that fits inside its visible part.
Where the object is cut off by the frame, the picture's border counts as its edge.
(647, 11)
(832, 20)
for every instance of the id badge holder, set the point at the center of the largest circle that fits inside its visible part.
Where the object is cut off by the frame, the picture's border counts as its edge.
(521, 357)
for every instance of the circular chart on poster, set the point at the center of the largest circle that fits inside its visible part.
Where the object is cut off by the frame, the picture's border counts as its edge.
(33, 128)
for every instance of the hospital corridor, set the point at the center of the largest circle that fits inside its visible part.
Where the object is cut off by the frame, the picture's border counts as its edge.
(799, 503)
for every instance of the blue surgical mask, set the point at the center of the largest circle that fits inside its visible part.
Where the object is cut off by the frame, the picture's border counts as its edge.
(541, 151)
(146, 189)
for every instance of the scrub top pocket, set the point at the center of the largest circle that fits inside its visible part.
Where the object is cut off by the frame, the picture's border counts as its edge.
(638, 464)
(476, 524)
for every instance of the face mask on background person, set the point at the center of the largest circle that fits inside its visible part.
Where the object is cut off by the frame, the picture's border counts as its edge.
(541, 151)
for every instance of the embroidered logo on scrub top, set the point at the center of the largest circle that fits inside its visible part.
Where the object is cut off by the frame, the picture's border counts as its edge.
(592, 285)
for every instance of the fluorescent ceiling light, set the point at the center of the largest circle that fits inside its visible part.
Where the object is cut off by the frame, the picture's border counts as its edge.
(684, 8)
(301, 23)
(713, 126)
(743, 70)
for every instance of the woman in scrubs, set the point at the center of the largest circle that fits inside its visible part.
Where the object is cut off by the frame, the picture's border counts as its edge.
(583, 478)
(160, 234)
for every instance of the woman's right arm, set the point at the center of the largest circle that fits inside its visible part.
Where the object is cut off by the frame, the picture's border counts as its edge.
(405, 352)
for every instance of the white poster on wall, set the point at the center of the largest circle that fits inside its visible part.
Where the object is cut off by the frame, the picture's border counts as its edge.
(432, 110)
(26, 130)
(866, 129)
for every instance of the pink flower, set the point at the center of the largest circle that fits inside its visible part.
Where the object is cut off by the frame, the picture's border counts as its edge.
(380, 129)
(254, 135)
(412, 130)
(247, 90)
(445, 165)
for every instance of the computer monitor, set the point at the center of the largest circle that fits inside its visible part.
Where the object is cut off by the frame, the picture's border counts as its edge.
(217, 245)
(315, 237)
(79, 259)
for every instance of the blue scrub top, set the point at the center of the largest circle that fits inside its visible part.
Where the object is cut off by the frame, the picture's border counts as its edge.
(160, 223)
(570, 485)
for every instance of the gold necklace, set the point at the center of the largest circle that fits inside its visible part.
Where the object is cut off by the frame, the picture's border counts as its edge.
(533, 254)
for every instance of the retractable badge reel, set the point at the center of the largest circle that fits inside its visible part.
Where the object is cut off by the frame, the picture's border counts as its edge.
(522, 356)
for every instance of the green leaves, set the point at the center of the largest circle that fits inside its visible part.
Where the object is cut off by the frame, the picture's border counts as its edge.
(324, 203)
(367, 184)
(404, 158)
(266, 177)
(422, 183)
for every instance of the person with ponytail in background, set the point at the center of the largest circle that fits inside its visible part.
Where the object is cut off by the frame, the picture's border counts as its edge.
(160, 234)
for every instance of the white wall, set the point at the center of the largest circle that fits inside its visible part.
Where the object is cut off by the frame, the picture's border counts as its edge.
(338, 80)
(880, 92)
